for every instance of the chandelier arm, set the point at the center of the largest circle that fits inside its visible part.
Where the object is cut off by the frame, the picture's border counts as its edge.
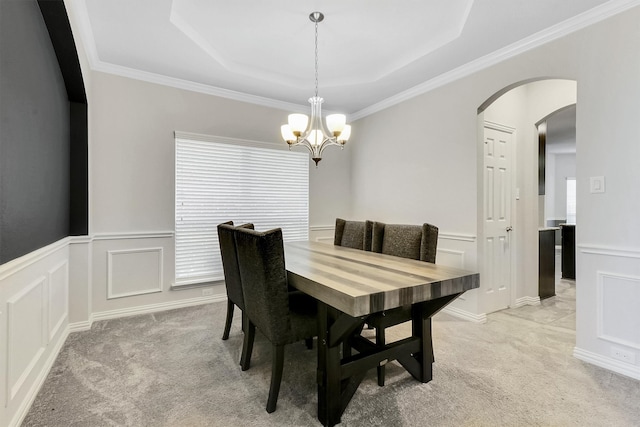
(328, 142)
(304, 143)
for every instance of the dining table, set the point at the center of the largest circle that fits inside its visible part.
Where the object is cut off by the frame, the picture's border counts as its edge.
(350, 285)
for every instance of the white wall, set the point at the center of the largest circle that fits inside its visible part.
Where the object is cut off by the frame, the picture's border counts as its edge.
(132, 183)
(417, 161)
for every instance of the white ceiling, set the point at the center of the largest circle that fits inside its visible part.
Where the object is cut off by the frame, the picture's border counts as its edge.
(372, 53)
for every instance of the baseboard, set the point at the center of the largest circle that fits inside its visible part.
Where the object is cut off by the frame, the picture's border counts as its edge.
(527, 301)
(25, 405)
(85, 325)
(632, 371)
(152, 308)
(466, 315)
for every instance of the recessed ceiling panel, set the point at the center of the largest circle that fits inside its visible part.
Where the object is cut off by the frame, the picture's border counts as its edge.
(359, 41)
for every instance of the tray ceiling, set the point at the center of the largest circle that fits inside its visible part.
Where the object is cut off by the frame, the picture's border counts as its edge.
(370, 51)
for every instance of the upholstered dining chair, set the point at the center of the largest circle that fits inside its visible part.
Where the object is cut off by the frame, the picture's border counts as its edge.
(407, 241)
(283, 317)
(231, 273)
(418, 242)
(353, 234)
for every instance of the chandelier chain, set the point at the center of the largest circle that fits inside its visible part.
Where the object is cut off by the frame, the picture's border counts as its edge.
(316, 58)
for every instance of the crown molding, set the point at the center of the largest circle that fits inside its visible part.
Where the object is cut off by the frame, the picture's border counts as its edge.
(557, 31)
(79, 12)
(196, 87)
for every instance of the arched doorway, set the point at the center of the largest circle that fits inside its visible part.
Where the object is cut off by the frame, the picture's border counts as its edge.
(509, 205)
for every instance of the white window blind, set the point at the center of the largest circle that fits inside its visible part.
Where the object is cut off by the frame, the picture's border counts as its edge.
(571, 200)
(218, 182)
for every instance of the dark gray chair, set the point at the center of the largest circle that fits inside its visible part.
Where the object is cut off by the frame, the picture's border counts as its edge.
(283, 317)
(231, 270)
(418, 242)
(407, 241)
(353, 234)
(231, 273)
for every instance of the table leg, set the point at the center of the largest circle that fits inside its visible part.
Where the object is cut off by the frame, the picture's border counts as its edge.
(329, 389)
(420, 364)
(334, 328)
(422, 329)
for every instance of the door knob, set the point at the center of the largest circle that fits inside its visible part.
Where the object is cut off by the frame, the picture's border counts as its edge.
(509, 228)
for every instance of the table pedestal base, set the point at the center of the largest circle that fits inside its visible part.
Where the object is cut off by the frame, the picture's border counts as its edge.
(339, 378)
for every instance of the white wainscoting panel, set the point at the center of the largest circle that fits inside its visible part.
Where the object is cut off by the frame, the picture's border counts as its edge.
(618, 304)
(322, 233)
(134, 272)
(58, 297)
(450, 257)
(33, 325)
(26, 333)
(607, 315)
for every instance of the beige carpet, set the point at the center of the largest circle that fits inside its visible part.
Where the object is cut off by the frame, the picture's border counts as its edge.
(172, 369)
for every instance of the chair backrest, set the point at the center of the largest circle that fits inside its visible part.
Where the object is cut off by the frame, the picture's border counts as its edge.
(353, 234)
(264, 280)
(230, 262)
(408, 241)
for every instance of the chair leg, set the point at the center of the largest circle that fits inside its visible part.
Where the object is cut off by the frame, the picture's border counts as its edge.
(245, 322)
(227, 325)
(309, 343)
(247, 346)
(380, 342)
(277, 364)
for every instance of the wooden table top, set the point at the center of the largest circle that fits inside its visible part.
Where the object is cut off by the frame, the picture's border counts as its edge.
(360, 283)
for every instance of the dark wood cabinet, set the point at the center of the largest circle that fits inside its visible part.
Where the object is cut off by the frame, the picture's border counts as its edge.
(547, 263)
(568, 251)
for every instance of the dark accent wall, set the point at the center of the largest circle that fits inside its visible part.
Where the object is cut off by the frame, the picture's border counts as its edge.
(43, 129)
(57, 22)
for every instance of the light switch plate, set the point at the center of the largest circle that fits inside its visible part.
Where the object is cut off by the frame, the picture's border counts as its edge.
(597, 184)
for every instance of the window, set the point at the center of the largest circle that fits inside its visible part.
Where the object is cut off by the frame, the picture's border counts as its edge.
(217, 180)
(571, 200)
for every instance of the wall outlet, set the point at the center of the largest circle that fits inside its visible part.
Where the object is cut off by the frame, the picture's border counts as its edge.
(623, 355)
(207, 292)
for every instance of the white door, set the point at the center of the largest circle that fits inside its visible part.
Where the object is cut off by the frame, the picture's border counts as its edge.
(497, 216)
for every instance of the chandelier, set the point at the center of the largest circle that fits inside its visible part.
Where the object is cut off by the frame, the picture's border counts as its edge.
(312, 133)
